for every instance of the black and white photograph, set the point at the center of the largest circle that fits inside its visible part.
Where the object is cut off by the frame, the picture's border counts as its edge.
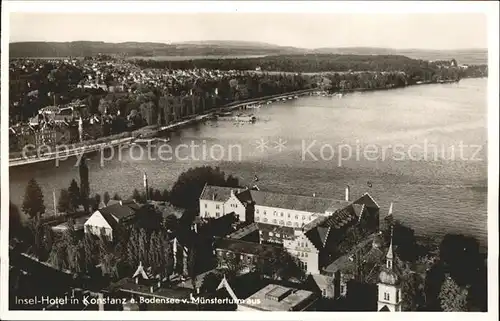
(263, 156)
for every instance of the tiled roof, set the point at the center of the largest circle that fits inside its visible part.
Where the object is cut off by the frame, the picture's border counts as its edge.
(220, 194)
(367, 200)
(341, 217)
(344, 262)
(286, 231)
(296, 202)
(318, 230)
(242, 247)
(238, 234)
(129, 285)
(120, 211)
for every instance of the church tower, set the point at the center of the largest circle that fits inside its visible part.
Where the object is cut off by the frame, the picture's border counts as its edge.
(389, 285)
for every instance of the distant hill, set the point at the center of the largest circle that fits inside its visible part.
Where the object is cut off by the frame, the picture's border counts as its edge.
(463, 56)
(220, 48)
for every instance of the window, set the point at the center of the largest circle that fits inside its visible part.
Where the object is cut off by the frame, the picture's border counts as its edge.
(303, 217)
(270, 233)
(288, 223)
(296, 217)
(397, 296)
(265, 219)
(257, 211)
(277, 234)
(342, 289)
(206, 213)
(389, 264)
(282, 214)
(296, 224)
(217, 214)
(257, 218)
(323, 292)
(265, 213)
(217, 207)
(305, 254)
(205, 205)
(386, 296)
(274, 221)
(282, 222)
(288, 215)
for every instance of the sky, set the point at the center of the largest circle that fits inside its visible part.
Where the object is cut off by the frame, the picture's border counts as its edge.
(311, 30)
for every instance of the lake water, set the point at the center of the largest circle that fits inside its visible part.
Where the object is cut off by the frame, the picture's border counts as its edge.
(386, 133)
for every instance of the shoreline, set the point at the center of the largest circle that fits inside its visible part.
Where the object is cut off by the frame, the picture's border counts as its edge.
(147, 132)
(152, 132)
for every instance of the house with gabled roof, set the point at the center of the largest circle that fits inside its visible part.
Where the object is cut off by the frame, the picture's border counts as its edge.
(217, 201)
(106, 220)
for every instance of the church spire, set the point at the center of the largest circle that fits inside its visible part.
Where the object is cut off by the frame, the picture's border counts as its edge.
(390, 253)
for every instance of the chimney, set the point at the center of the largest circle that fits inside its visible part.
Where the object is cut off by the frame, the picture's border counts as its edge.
(121, 202)
(232, 193)
(347, 193)
(213, 197)
(151, 289)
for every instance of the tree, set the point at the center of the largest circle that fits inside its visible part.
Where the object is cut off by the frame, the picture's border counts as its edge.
(403, 238)
(64, 202)
(95, 202)
(58, 256)
(165, 195)
(84, 184)
(187, 189)
(37, 233)
(192, 266)
(168, 256)
(460, 256)
(411, 291)
(33, 204)
(452, 297)
(106, 198)
(15, 225)
(74, 195)
(136, 195)
(157, 196)
(143, 247)
(116, 197)
(232, 265)
(210, 282)
(154, 253)
(133, 248)
(353, 236)
(149, 218)
(170, 223)
(89, 250)
(48, 238)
